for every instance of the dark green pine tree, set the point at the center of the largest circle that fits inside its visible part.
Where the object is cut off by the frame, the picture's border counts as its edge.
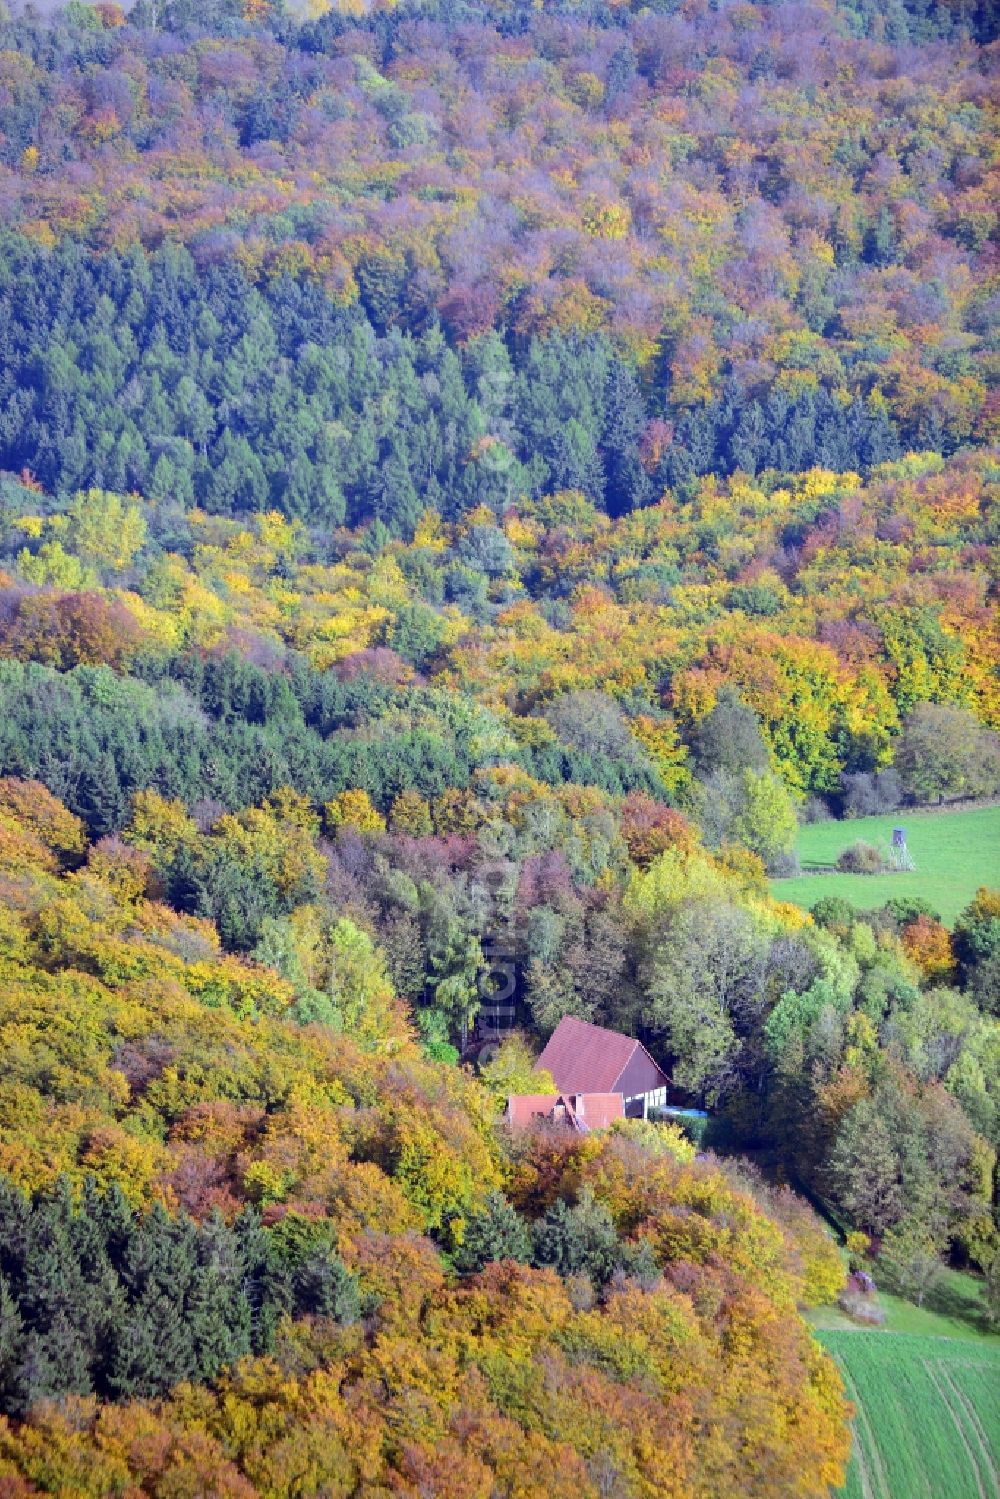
(11, 1347)
(748, 444)
(219, 1320)
(156, 1348)
(579, 1240)
(324, 1287)
(219, 1311)
(102, 799)
(496, 1232)
(253, 1250)
(626, 484)
(64, 1316)
(395, 501)
(99, 1230)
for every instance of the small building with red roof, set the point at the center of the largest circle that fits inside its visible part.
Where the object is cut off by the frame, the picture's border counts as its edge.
(580, 1112)
(587, 1059)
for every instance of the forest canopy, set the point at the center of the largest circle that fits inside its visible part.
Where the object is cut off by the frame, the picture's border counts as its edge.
(474, 479)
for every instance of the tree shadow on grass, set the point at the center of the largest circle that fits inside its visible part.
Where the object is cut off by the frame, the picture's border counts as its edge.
(945, 1299)
(948, 1302)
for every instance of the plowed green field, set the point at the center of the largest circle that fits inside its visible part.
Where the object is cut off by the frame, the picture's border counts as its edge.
(928, 1415)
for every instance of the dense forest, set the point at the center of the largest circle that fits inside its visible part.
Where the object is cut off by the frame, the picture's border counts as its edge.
(710, 237)
(475, 478)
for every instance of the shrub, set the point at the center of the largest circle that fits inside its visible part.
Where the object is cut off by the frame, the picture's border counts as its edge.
(860, 1307)
(862, 858)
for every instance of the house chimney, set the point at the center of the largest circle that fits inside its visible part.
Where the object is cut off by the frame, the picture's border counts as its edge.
(578, 1103)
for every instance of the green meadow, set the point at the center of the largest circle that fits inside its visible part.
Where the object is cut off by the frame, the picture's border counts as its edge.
(927, 1415)
(954, 852)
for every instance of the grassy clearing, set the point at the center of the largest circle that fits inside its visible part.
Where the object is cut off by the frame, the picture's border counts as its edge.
(955, 853)
(954, 1309)
(928, 1415)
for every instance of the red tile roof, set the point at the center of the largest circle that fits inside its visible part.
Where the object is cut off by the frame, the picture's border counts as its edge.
(584, 1058)
(579, 1111)
(526, 1108)
(597, 1110)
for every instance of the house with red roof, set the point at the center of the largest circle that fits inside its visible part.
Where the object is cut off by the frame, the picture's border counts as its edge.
(580, 1112)
(587, 1059)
